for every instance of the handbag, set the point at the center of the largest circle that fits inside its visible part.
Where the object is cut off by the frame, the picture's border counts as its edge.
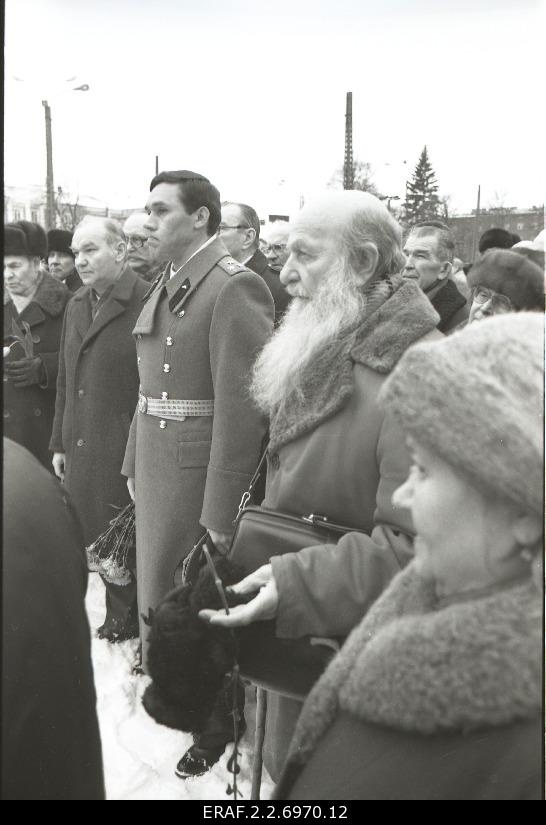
(287, 666)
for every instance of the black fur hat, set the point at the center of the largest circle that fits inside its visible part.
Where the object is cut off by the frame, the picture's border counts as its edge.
(15, 240)
(188, 658)
(512, 275)
(36, 238)
(59, 240)
(497, 238)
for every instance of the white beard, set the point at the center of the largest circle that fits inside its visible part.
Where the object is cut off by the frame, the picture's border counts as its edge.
(309, 325)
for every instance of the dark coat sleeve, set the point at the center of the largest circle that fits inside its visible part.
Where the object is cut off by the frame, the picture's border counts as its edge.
(326, 590)
(56, 442)
(242, 322)
(128, 468)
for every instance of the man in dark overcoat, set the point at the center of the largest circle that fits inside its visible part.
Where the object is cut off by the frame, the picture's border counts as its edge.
(97, 390)
(240, 232)
(30, 366)
(196, 437)
(50, 734)
(60, 259)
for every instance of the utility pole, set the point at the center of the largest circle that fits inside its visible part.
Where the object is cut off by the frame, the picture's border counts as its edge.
(157, 164)
(50, 194)
(475, 233)
(348, 166)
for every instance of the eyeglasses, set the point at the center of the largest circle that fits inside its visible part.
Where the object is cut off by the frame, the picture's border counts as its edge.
(274, 247)
(500, 303)
(136, 241)
(224, 226)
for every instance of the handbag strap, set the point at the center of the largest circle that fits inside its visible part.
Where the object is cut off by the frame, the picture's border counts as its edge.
(247, 495)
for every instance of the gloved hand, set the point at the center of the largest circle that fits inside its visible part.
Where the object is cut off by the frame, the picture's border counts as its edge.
(25, 372)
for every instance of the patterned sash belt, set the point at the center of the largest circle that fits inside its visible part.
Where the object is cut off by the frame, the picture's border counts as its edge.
(173, 408)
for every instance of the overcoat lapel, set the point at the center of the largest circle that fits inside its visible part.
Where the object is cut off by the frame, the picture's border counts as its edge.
(114, 305)
(183, 285)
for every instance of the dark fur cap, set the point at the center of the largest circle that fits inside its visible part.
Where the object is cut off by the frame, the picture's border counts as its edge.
(188, 658)
(497, 238)
(512, 275)
(59, 240)
(25, 238)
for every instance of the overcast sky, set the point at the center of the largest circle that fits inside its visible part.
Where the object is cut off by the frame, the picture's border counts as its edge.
(252, 94)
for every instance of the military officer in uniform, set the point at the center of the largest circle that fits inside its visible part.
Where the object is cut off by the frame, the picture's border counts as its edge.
(196, 437)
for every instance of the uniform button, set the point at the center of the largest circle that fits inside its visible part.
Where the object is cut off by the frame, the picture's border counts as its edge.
(162, 424)
(81, 393)
(80, 442)
(164, 396)
(169, 341)
(139, 336)
(275, 461)
(181, 313)
(138, 359)
(37, 412)
(166, 367)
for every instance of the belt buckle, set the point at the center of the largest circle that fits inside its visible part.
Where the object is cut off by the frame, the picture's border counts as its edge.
(142, 404)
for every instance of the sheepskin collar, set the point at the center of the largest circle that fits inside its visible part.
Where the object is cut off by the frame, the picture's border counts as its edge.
(398, 314)
(51, 295)
(415, 665)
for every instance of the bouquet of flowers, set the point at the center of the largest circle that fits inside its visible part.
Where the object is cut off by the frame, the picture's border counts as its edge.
(113, 553)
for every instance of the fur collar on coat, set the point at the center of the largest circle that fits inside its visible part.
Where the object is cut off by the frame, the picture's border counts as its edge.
(398, 314)
(417, 666)
(51, 295)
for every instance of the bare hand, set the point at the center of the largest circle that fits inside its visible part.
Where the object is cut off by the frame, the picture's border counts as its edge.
(221, 540)
(131, 487)
(262, 607)
(58, 461)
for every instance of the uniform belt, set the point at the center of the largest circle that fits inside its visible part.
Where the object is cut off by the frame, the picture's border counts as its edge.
(173, 408)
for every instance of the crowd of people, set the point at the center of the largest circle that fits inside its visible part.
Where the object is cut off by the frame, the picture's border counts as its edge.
(155, 362)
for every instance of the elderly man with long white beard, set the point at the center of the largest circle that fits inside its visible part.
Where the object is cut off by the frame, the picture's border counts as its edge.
(333, 450)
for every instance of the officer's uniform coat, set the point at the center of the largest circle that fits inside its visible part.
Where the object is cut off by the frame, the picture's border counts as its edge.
(28, 411)
(197, 338)
(97, 389)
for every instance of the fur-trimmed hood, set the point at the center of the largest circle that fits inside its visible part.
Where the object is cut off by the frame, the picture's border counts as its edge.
(394, 321)
(415, 665)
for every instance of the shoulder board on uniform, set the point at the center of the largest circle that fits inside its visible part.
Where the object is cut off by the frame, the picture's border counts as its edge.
(231, 266)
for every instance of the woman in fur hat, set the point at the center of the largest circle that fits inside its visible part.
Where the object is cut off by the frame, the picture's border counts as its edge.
(437, 694)
(33, 318)
(505, 281)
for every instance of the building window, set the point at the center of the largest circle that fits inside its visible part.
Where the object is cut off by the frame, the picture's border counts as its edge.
(520, 226)
(17, 215)
(34, 215)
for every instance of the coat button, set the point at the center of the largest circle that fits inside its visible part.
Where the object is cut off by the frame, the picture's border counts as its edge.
(6, 414)
(162, 424)
(138, 359)
(5, 379)
(85, 351)
(80, 442)
(275, 461)
(169, 341)
(81, 393)
(37, 412)
(181, 313)
(166, 367)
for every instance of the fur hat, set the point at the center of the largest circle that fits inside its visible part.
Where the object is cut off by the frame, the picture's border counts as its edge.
(36, 239)
(497, 238)
(510, 274)
(15, 241)
(475, 398)
(59, 240)
(187, 657)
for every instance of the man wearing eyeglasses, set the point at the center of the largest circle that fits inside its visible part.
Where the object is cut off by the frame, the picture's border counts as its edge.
(276, 238)
(505, 281)
(429, 252)
(141, 254)
(240, 231)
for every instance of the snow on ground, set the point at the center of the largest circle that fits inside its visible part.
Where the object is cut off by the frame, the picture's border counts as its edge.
(139, 755)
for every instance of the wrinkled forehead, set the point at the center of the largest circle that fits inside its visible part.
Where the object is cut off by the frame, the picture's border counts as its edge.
(422, 238)
(314, 227)
(135, 223)
(95, 235)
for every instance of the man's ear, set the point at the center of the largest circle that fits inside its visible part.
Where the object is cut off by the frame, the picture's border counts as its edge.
(527, 530)
(445, 271)
(120, 251)
(367, 261)
(250, 237)
(201, 218)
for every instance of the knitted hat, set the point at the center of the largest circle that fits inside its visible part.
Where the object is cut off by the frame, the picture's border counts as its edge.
(497, 238)
(475, 399)
(510, 274)
(15, 241)
(59, 240)
(36, 238)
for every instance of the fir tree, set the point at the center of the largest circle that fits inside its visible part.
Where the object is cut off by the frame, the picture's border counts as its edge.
(422, 201)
